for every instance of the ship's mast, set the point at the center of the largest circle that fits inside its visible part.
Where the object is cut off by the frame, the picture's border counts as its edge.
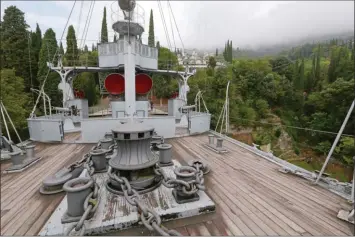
(127, 6)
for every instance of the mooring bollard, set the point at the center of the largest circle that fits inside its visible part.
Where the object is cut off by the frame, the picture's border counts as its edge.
(156, 140)
(106, 143)
(165, 154)
(108, 135)
(98, 157)
(219, 142)
(210, 139)
(184, 176)
(17, 158)
(30, 151)
(77, 190)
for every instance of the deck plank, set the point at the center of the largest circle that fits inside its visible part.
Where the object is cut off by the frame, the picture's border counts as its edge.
(25, 209)
(251, 196)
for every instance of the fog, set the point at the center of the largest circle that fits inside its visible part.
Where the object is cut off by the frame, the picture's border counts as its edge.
(205, 24)
(251, 24)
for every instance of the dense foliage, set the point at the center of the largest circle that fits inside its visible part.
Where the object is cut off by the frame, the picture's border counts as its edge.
(312, 91)
(104, 33)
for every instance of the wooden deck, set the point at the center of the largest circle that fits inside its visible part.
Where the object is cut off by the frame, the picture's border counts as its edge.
(251, 196)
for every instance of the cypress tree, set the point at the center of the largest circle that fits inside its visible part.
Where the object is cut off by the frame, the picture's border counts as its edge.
(61, 49)
(151, 39)
(86, 49)
(158, 45)
(301, 76)
(216, 52)
(72, 47)
(114, 38)
(46, 54)
(104, 33)
(317, 65)
(14, 44)
(230, 52)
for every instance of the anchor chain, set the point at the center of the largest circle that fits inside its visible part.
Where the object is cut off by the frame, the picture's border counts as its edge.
(189, 187)
(91, 200)
(149, 218)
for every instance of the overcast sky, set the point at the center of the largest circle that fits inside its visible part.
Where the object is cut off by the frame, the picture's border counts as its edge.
(204, 24)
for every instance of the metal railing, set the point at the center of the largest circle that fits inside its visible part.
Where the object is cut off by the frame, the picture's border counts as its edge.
(138, 14)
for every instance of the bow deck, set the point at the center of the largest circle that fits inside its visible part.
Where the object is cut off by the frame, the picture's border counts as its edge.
(252, 197)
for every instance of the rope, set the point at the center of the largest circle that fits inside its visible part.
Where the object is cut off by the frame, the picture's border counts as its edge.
(49, 69)
(87, 29)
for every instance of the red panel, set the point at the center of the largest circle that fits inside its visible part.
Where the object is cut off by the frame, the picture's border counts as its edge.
(143, 83)
(114, 84)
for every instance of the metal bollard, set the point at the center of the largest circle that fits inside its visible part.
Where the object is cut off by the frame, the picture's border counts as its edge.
(165, 153)
(156, 140)
(108, 135)
(98, 157)
(30, 151)
(211, 139)
(186, 175)
(17, 158)
(77, 191)
(219, 142)
(106, 143)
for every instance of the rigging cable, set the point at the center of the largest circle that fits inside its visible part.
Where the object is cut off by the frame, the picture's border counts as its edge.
(177, 29)
(79, 21)
(172, 30)
(87, 23)
(29, 58)
(295, 127)
(49, 69)
(164, 24)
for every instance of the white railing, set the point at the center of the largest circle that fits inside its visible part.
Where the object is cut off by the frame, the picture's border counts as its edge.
(113, 48)
(138, 14)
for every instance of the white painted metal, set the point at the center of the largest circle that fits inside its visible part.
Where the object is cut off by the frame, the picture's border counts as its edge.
(336, 141)
(114, 213)
(200, 123)
(46, 96)
(45, 130)
(93, 129)
(130, 86)
(5, 123)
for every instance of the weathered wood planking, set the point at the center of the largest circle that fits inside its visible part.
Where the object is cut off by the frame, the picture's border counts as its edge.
(251, 196)
(23, 209)
(254, 189)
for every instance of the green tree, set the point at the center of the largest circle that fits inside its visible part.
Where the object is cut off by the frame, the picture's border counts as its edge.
(36, 42)
(104, 33)
(14, 98)
(61, 49)
(86, 82)
(216, 52)
(151, 39)
(71, 54)
(47, 52)
(14, 48)
(114, 38)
